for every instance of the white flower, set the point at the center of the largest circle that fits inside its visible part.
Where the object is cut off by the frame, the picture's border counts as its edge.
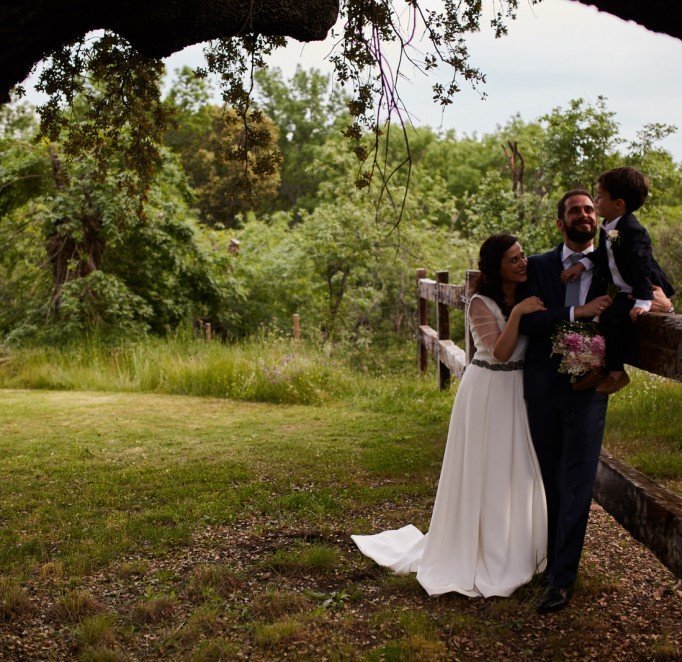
(612, 236)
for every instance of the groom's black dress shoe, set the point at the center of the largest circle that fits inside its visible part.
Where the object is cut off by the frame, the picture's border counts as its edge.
(555, 598)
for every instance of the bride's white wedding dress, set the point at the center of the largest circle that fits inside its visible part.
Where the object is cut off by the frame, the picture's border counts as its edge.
(488, 532)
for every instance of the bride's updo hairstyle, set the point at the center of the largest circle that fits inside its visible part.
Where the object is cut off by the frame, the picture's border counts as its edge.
(489, 281)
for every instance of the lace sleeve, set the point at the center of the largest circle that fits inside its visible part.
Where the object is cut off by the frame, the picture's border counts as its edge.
(484, 324)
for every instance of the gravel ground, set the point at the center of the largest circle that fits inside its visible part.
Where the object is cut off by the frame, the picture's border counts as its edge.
(626, 606)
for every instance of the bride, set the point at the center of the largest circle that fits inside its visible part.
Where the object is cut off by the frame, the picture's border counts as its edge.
(488, 532)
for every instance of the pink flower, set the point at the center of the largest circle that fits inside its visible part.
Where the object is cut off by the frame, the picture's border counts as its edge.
(597, 345)
(580, 350)
(573, 342)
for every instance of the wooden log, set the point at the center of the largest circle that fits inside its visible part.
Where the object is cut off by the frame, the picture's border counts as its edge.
(453, 357)
(429, 338)
(451, 295)
(297, 327)
(423, 319)
(444, 351)
(428, 290)
(651, 513)
(443, 319)
(658, 344)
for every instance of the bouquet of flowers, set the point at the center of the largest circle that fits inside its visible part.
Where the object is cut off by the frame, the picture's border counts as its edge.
(580, 347)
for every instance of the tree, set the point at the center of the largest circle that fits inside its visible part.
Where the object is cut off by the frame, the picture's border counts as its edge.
(360, 61)
(203, 135)
(580, 143)
(29, 32)
(665, 175)
(306, 114)
(341, 269)
(82, 255)
(244, 33)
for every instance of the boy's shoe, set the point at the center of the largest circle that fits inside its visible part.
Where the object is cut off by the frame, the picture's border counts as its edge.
(611, 385)
(590, 380)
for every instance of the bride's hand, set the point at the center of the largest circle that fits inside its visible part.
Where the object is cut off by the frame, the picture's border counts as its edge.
(529, 305)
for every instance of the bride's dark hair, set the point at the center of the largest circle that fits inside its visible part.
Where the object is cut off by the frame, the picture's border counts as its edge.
(489, 282)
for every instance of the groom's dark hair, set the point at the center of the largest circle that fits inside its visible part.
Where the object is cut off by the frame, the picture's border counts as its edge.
(561, 207)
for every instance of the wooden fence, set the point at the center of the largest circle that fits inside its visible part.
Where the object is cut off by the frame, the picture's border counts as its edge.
(650, 512)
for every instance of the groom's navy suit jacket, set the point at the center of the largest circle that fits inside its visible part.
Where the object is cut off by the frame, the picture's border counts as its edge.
(566, 425)
(541, 376)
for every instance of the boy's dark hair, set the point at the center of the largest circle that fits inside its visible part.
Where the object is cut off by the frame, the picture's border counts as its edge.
(561, 207)
(626, 183)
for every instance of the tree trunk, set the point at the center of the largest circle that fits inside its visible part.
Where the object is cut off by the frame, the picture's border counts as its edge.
(71, 259)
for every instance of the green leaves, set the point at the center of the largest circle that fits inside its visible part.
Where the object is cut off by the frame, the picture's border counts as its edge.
(105, 102)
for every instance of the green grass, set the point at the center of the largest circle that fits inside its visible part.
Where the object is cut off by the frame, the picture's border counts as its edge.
(94, 475)
(100, 473)
(210, 580)
(115, 481)
(305, 558)
(644, 427)
(77, 605)
(96, 631)
(155, 609)
(288, 628)
(14, 603)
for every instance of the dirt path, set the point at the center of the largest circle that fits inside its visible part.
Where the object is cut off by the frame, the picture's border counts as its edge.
(270, 591)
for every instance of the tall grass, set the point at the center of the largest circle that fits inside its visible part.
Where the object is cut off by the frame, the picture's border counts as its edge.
(643, 426)
(276, 371)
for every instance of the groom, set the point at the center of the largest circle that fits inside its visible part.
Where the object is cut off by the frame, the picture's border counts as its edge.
(567, 426)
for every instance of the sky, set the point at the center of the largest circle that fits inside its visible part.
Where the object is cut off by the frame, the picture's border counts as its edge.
(555, 51)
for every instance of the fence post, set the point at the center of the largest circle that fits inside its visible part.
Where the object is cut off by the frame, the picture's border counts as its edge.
(469, 281)
(423, 320)
(208, 330)
(443, 317)
(297, 328)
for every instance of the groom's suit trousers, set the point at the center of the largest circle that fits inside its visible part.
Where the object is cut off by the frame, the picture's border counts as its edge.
(567, 430)
(566, 426)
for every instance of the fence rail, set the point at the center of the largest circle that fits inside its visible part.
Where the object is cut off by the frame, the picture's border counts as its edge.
(651, 513)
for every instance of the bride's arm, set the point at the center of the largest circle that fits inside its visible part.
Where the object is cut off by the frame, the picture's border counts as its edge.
(500, 344)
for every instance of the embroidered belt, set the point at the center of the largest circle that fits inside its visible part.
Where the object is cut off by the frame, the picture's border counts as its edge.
(506, 367)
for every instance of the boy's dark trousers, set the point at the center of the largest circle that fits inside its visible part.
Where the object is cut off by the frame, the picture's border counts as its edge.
(616, 327)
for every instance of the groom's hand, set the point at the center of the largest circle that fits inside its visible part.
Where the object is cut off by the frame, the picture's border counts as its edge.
(593, 308)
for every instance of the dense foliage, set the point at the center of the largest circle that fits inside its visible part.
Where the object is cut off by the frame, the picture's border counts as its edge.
(84, 255)
(377, 41)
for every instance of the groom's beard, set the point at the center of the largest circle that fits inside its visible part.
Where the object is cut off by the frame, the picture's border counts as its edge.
(580, 236)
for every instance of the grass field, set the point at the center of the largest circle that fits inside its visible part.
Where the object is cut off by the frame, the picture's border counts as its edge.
(644, 426)
(149, 525)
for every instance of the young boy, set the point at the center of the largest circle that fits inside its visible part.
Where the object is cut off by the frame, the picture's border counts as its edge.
(624, 252)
